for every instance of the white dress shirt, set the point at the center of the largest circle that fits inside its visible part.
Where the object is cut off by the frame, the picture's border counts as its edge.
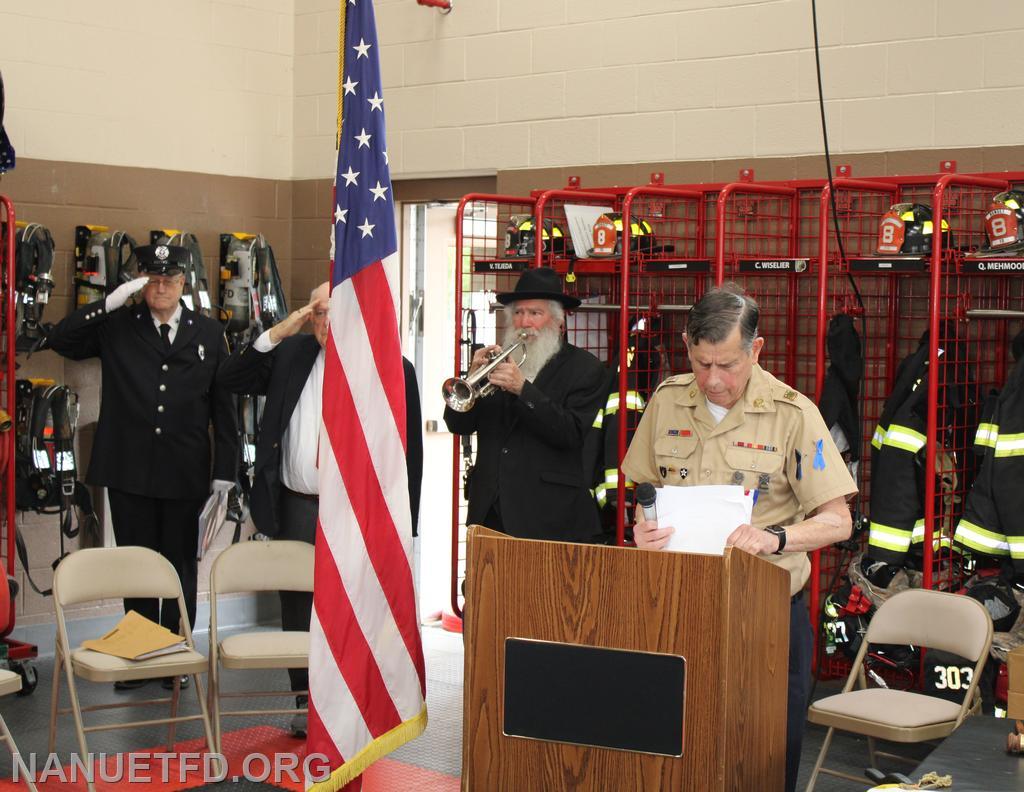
(301, 441)
(174, 321)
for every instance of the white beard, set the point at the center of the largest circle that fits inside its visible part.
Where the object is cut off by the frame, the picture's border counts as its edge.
(541, 346)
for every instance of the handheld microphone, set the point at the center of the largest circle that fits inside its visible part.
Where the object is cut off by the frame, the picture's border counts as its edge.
(647, 497)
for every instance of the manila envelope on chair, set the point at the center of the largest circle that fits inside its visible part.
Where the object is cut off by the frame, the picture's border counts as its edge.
(137, 638)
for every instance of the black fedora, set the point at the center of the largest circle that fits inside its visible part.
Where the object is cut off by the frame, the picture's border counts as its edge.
(541, 283)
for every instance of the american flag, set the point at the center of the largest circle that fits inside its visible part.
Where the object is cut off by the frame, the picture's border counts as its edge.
(366, 675)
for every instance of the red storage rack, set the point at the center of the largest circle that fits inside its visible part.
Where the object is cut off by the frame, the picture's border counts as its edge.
(17, 652)
(484, 269)
(970, 313)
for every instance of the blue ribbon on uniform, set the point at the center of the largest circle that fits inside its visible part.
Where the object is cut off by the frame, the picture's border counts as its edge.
(819, 455)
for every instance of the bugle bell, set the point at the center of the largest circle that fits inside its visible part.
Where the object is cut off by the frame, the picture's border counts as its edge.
(461, 393)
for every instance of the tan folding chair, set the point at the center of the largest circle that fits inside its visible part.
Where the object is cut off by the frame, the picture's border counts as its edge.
(918, 617)
(114, 573)
(11, 683)
(257, 566)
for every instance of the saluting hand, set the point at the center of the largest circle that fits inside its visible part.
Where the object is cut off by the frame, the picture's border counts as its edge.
(120, 295)
(293, 323)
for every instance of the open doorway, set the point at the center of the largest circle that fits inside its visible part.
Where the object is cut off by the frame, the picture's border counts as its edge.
(428, 264)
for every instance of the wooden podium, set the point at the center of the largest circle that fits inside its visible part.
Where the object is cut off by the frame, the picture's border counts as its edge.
(571, 648)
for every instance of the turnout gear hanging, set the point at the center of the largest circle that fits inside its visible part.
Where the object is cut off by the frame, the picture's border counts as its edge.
(642, 366)
(841, 388)
(33, 283)
(991, 522)
(899, 448)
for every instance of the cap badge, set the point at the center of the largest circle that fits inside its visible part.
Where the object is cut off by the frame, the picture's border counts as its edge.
(161, 252)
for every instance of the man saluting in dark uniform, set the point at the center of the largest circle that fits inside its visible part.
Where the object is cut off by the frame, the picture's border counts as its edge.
(158, 400)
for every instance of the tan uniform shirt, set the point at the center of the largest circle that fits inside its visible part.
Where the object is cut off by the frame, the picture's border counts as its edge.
(772, 440)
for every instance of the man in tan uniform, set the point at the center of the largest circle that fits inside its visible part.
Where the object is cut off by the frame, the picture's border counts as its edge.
(731, 422)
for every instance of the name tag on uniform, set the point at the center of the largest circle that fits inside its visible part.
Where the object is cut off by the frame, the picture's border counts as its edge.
(202, 352)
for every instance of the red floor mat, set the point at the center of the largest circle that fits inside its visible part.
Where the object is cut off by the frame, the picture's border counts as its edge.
(262, 753)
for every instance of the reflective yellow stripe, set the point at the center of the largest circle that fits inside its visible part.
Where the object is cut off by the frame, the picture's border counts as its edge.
(888, 537)
(600, 495)
(1009, 445)
(904, 437)
(599, 419)
(611, 478)
(879, 437)
(981, 539)
(987, 435)
(634, 401)
(917, 535)
(1016, 547)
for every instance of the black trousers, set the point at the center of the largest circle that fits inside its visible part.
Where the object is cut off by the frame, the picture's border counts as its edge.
(171, 527)
(801, 644)
(298, 523)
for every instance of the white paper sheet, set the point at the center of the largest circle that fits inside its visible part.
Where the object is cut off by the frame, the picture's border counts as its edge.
(581, 219)
(703, 516)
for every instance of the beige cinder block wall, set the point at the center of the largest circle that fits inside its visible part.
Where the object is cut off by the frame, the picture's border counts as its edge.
(215, 116)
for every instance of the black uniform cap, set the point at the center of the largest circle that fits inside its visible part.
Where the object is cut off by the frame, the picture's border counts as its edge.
(161, 259)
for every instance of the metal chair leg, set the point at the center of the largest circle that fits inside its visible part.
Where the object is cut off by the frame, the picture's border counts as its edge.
(821, 760)
(55, 701)
(23, 771)
(76, 710)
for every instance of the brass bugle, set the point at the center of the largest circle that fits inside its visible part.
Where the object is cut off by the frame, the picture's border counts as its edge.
(461, 393)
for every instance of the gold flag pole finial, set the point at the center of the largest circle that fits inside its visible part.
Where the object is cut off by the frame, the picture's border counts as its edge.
(341, 72)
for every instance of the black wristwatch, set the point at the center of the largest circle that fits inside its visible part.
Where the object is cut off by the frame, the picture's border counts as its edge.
(780, 532)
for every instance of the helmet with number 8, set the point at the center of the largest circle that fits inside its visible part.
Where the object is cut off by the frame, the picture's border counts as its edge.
(906, 229)
(1004, 221)
(641, 235)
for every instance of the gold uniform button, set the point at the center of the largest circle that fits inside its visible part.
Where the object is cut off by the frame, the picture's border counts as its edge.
(693, 393)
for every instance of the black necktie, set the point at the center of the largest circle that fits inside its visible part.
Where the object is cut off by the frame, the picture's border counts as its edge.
(165, 334)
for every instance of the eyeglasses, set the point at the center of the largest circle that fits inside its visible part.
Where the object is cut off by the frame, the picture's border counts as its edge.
(165, 281)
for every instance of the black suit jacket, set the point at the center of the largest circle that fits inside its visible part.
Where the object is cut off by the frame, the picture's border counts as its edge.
(280, 375)
(530, 450)
(156, 405)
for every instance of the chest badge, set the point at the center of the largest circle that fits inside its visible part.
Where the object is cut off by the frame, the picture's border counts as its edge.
(202, 352)
(679, 433)
(737, 478)
(763, 482)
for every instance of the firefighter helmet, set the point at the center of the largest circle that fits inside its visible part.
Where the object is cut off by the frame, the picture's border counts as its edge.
(1004, 221)
(997, 597)
(521, 232)
(906, 229)
(641, 235)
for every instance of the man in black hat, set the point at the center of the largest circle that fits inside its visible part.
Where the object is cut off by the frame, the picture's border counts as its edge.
(158, 400)
(529, 479)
